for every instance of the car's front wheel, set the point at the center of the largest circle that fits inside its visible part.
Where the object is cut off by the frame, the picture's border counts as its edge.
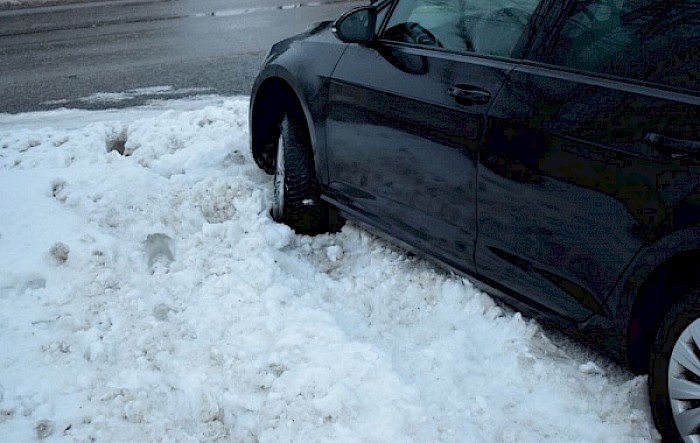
(674, 379)
(297, 201)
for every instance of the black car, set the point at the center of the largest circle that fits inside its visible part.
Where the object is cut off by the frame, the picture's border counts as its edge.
(548, 149)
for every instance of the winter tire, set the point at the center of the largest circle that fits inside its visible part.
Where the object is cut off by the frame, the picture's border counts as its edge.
(297, 201)
(674, 376)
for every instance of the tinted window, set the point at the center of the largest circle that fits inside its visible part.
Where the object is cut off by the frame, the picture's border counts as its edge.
(490, 27)
(651, 40)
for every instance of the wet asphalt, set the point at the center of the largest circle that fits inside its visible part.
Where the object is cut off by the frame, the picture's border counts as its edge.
(57, 56)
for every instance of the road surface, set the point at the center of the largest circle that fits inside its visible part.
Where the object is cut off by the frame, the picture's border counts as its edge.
(64, 55)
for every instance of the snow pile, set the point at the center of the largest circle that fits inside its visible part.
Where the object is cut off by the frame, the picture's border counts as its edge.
(146, 295)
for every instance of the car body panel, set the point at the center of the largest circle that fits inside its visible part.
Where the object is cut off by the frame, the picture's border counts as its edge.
(650, 258)
(401, 148)
(591, 192)
(305, 63)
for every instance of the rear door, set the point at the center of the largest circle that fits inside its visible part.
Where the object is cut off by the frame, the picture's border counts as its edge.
(407, 117)
(592, 151)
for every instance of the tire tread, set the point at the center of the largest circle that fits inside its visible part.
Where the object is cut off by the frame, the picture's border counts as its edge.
(301, 183)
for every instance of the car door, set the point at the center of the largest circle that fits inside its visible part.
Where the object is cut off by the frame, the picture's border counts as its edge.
(406, 117)
(592, 151)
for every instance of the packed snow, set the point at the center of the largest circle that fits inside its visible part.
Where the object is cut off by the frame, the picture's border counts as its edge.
(147, 295)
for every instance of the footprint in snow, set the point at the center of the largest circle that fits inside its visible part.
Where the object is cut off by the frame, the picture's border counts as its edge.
(158, 250)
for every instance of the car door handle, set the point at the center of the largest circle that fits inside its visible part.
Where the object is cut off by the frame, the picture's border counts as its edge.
(678, 147)
(469, 95)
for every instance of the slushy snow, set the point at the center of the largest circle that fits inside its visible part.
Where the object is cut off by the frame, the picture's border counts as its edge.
(148, 296)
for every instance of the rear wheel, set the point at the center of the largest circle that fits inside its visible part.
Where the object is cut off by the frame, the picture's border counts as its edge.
(297, 201)
(674, 379)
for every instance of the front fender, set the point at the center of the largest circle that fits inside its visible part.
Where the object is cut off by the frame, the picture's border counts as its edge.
(304, 66)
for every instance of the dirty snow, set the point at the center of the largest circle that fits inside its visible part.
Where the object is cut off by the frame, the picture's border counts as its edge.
(149, 297)
(111, 98)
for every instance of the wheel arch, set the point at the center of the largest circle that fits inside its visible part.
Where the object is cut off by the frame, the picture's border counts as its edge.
(270, 98)
(658, 278)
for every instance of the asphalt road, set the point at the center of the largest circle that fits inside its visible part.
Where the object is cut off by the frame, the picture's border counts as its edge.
(64, 55)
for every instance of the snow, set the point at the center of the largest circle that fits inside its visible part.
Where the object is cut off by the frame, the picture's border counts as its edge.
(118, 97)
(150, 297)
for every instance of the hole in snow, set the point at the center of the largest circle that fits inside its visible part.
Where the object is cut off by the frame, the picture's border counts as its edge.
(117, 142)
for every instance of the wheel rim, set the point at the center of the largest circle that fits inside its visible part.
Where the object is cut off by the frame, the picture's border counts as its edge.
(278, 202)
(684, 383)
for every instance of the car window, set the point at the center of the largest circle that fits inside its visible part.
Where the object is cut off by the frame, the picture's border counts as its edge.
(650, 40)
(489, 27)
